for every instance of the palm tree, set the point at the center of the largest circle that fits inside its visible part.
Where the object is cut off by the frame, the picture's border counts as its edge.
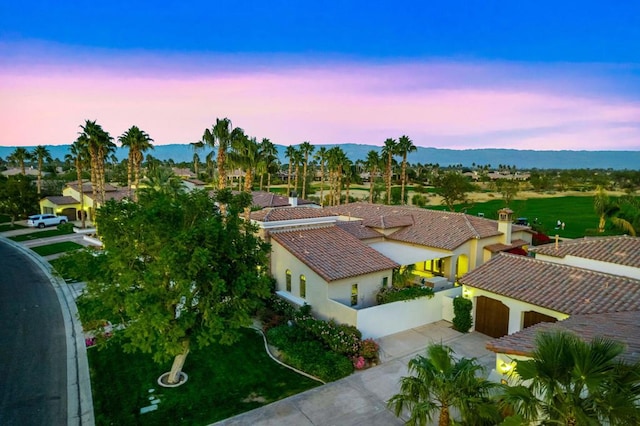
(221, 134)
(297, 159)
(439, 383)
(162, 180)
(306, 149)
(290, 153)
(388, 151)
(100, 146)
(196, 146)
(372, 164)
(79, 155)
(41, 154)
(245, 154)
(138, 142)
(269, 157)
(18, 157)
(321, 156)
(572, 382)
(405, 146)
(607, 210)
(335, 161)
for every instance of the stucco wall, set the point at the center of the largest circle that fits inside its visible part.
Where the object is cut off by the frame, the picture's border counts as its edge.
(594, 265)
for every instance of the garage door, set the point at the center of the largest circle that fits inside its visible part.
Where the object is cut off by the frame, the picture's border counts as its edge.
(533, 318)
(492, 317)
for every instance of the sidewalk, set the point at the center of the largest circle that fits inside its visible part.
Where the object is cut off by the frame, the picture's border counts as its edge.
(360, 399)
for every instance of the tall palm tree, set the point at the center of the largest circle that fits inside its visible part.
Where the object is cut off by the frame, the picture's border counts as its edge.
(100, 145)
(41, 154)
(405, 146)
(196, 146)
(221, 135)
(306, 149)
(607, 210)
(290, 153)
(18, 157)
(79, 156)
(372, 164)
(335, 161)
(321, 157)
(269, 158)
(389, 149)
(441, 382)
(297, 159)
(138, 142)
(245, 154)
(572, 382)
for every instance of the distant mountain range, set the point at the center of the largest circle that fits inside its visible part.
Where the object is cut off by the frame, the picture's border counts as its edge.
(522, 159)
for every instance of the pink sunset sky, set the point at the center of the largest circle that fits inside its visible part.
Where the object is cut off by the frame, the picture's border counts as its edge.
(455, 103)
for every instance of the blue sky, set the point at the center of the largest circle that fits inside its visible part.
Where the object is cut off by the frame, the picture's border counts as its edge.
(302, 62)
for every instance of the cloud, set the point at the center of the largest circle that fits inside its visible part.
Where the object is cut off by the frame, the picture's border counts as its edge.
(441, 103)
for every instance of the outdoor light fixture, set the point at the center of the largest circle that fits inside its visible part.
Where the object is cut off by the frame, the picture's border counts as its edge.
(505, 368)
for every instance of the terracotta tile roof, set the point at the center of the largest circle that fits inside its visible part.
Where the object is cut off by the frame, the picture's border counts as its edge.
(117, 195)
(621, 326)
(555, 286)
(358, 230)
(386, 222)
(61, 199)
(86, 186)
(333, 253)
(269, 199)
(288, 213)
(622, 250)
(494, 248)
(434, 228)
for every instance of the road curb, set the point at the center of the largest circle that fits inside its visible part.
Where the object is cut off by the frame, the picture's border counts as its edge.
(79, 398)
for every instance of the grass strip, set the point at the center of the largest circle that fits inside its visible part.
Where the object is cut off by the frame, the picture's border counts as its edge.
(223, 381)
(42, 234)
(56, 248)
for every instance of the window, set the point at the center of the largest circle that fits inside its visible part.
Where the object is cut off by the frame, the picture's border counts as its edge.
(303, 286)
(288, 280)
(385, 282)
(354, 294)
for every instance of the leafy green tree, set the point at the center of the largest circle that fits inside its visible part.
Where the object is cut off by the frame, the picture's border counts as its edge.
(177, 273)
(508, 189)
(572, 382)
(452, 187)
(440, 382)
(18, 197)
(41, 154)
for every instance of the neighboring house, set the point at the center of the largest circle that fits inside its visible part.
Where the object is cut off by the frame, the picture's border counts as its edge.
(191, 184)
(263, 200)
(183, 173)
(69, 204)
(336, 259)
(578, 285)
(29, 171)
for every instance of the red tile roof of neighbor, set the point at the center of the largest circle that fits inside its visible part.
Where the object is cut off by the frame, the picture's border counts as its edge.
(333, 253)
(445, 230)
(61, 199)
(622, 250)
(620, 326)
(562, 288)
(494, 248)
(288, 213)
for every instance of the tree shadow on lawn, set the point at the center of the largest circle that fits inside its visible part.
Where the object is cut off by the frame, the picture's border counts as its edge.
(223, 381)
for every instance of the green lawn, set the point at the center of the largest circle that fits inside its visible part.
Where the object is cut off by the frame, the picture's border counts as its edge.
(4, 227)
(43, 234)
(223, 381)
(56, 248)
(576, 212)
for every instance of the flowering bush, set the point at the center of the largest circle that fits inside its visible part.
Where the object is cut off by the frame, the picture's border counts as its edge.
(369, 349)
(359, 362)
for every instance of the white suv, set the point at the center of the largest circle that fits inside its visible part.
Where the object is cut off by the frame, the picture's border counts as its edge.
(42, 220)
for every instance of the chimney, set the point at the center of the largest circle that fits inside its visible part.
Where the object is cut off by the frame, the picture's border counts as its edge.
(505, 217)
(293, 199)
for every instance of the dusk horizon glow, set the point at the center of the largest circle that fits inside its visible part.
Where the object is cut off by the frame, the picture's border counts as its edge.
(49, 86)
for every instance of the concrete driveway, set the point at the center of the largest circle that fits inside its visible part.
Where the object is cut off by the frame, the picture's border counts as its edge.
(360, 399)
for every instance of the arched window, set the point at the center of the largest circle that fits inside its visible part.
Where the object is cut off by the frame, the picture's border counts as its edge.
(289, 280)
(303, 286)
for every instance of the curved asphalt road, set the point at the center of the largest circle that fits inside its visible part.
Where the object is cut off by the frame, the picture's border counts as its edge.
(33, 344)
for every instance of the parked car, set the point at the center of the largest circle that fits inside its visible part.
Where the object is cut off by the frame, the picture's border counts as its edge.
(42, 220)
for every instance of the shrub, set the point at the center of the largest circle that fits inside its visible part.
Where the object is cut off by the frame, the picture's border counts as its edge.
(66, 227)
(419, 200)
(369, 349)
(394, 294)
(462, 314)
(281, 307)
